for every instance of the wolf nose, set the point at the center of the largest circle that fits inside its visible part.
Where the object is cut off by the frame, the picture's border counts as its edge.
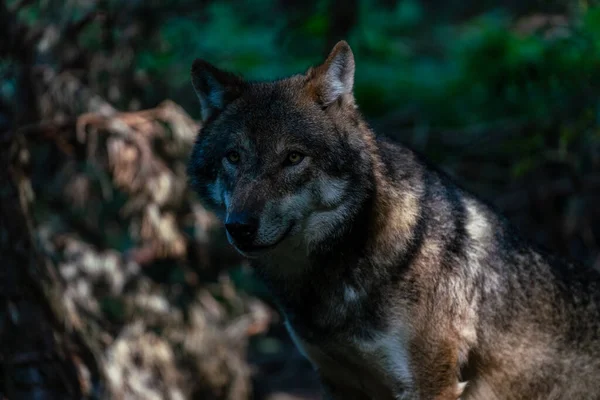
(241, 227)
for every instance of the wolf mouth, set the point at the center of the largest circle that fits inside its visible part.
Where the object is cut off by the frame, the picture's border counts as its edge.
(253, 250)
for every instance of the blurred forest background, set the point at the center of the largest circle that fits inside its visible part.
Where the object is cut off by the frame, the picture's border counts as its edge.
(116, 283)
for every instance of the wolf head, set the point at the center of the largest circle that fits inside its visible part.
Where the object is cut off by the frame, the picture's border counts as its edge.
(281, 162)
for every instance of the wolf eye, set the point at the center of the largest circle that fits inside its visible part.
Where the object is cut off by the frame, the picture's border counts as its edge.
(294, 158)
(233, 157)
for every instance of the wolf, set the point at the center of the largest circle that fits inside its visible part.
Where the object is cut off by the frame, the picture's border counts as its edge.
(395, 282)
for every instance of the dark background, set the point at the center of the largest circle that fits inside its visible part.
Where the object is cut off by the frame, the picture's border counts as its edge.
(504, 96)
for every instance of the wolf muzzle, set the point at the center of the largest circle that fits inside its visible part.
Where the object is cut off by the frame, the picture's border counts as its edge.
(242, 228)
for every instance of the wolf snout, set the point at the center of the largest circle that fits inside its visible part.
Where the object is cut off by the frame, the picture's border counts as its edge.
(242, 227)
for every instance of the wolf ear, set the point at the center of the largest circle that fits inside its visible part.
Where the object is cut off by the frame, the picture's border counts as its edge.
(334, 79)
(215, 88)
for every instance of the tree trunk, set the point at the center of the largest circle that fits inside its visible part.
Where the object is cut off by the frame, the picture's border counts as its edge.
(43, 356)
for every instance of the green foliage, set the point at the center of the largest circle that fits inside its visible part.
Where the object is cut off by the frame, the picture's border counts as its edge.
(476, 71)
(239, 42)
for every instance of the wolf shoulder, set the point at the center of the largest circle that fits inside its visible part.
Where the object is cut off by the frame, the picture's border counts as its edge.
(490, 247)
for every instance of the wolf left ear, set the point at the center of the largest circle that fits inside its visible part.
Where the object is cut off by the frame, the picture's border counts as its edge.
(215, 88)
(334, 79)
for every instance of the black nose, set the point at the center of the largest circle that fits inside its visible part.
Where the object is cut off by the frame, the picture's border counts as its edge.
(242, 227)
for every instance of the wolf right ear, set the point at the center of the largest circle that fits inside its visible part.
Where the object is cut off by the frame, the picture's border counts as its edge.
(215, 88)
(334, 79)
